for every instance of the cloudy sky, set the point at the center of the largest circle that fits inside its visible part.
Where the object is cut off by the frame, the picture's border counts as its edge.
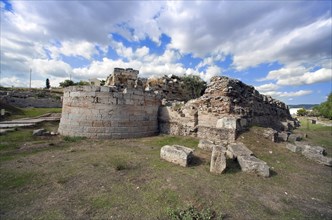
(283, 48)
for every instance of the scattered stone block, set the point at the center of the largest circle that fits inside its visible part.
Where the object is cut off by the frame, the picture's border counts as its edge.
(39, 132)
(252, 164)
(218, 160)
(294, 137)
(177, 154)
(206, 145)
(283, 136)
(238, 149)
(270, 134)
(314, 150)
(319, 158)
(293, 147)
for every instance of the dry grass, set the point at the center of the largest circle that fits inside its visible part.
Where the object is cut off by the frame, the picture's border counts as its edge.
(125, 179)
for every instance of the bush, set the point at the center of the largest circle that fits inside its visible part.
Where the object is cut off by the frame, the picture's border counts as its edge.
(195, 84)
(302, 112)
(325, 108)
(193, 213)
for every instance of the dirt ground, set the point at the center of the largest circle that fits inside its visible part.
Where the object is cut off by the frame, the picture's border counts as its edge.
(59, 178)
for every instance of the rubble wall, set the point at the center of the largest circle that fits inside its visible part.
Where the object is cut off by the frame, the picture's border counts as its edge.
(227, 108)
(104, 112)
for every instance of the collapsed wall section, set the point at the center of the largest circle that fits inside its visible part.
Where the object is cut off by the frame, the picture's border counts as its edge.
(227, 107)
(104, 112)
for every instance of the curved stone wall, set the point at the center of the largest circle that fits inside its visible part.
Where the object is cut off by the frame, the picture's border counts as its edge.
(105, 112)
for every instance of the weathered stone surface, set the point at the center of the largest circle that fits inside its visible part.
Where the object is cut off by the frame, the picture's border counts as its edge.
(114, 112)
(252, 164)
(270, 134)
(294, 137)
(39, 132)
(177, 154)
(319, 158)
(293, 147)
(283, 136)
(206, 145)
(313, 150)
(227, 122)
(218, 160)
(238, 149)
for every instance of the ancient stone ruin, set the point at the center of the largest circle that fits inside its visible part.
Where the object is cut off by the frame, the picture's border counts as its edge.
(129, 107)
(121, 110)
(125, 108)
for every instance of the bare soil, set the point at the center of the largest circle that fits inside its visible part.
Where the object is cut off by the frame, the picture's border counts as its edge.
(51, 178)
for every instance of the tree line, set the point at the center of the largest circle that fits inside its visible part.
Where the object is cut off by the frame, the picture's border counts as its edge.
(323, 110)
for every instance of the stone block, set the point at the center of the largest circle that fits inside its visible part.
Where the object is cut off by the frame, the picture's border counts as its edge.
(238, 149)
(314, 149)
(293, 147)
(270, 134)
(294, 137)
(252, 164)
(227, 122)
(177, 154)
(206, 145)
(218, 160)
(282, 136)
(319, 158)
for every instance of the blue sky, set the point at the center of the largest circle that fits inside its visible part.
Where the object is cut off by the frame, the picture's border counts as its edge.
(283, 48)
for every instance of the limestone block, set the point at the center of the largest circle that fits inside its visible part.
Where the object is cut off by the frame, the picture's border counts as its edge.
(177, 154)
(238, 149)
(294, 137)
(282, 136)
(252, 164)
(317, 157)
(293, 147)
(227, 122)
(270, 134)
(206, 145)
(314, 150)
(218, 160)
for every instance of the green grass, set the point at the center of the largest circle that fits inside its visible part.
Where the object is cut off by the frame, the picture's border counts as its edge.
(73, 139)
(11, 180)
(317, 134)
(126, 179)
(171, 140)
(34, 112)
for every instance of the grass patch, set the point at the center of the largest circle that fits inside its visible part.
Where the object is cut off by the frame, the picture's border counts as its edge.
(193, 213)
(73, 139)
(317, 134)
(101, 202)
(33, 112)
(10, 180)
(171, 140)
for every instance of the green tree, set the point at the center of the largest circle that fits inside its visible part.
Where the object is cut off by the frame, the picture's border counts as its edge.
(47, 83)
(325, 108)
(67, 83)
(195, 84)
(302, 112)
(83, 83)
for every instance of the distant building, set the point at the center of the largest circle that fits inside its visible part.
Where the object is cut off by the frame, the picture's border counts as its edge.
(293, 111)
(94, 81)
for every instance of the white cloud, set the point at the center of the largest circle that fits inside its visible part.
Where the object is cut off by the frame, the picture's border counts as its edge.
(267, 87)
(74, 48)
(299, 76)
(288, 94)
(44, 68)
(210, 72)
